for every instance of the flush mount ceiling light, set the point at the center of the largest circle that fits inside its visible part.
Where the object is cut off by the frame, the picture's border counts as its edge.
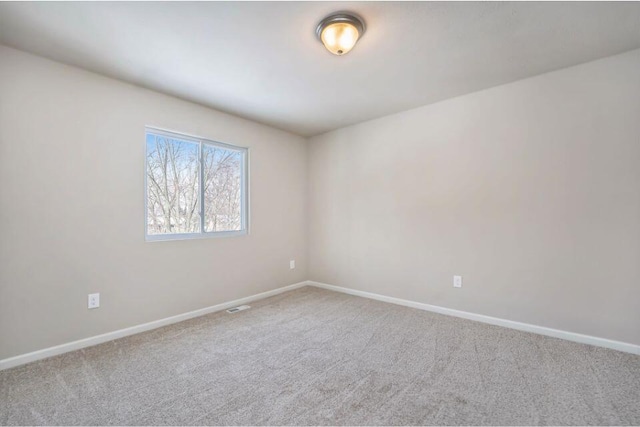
(340, 32)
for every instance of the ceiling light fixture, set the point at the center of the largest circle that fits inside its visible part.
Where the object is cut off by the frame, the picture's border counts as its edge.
(340, 32)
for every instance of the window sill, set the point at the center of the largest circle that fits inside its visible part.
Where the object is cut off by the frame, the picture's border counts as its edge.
(194, 236)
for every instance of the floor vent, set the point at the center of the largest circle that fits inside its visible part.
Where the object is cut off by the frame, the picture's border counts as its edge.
(239, 308)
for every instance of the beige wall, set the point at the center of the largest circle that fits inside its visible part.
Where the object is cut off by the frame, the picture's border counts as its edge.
(530, 191)
(72, 208)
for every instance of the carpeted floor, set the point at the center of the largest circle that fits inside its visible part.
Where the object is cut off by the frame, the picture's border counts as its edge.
(315, 357)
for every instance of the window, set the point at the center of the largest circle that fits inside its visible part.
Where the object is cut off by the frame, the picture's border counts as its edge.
(194, 188)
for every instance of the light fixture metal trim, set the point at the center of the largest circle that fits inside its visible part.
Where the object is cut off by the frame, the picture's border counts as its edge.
(341, 17)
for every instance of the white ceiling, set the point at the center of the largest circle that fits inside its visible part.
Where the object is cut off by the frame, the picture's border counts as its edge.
(260, 60)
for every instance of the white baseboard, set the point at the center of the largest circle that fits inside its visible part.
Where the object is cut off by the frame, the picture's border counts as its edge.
(109, 336)
(556, 333)
(99, 339)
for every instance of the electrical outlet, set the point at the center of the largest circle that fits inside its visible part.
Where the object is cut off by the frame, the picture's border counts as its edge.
(94, 301)
(457, 281)
(292, 264)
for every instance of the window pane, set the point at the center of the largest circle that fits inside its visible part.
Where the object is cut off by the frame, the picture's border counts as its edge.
(222, 188)
(172, 185)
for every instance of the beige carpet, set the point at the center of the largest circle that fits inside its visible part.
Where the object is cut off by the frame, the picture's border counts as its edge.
(312, 356)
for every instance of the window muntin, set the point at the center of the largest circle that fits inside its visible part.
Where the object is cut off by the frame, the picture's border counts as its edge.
(194, 187)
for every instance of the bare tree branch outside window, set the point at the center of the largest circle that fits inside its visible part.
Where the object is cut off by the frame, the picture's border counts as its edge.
(222, 187)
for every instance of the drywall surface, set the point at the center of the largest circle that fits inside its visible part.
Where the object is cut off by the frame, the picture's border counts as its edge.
(530, 191)
(72, 155)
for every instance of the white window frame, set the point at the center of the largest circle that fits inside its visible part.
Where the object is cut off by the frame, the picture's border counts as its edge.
(244, 183)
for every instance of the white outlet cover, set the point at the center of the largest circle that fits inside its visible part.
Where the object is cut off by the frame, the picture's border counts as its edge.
(292, 264)
(457, 281)
(94, 301)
